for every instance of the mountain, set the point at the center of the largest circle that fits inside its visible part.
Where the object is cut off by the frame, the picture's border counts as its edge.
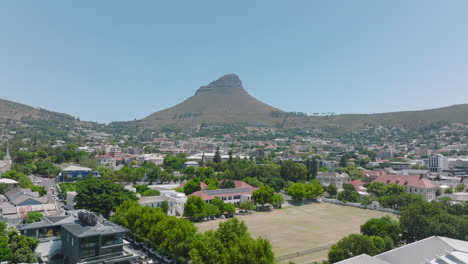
(406, 119)
(224, 101)
(15, 111)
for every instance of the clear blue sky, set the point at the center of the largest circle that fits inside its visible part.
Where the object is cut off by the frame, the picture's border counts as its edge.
(121, 60)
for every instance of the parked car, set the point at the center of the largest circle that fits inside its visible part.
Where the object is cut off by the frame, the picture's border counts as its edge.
(222, 217)
(168, 259)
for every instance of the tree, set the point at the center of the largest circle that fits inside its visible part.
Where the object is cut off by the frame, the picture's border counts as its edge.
(354, 245)
(349, 194)
(101, 195)
(460, 187)
(6, 254)
(324, 169)
(291, 171)
(314, 190)
(229, 208)
(230, 243)
(217, 156)
(150, 193)
(227, 184)
(354, 173)
(33, 216)
(174, 162)
(213, 184)
(263, 195)
(331, 189)
(297, 191)
(40, 189)
(449, 190)
(277, 200)
(4, 188)
(253, 181)
(192, 186)
(382, 227)
(247, 205)
(165, 206)
(194, 207)
(23, 181)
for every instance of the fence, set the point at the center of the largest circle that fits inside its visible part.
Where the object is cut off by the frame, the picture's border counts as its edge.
(303, 252)
(370, 207)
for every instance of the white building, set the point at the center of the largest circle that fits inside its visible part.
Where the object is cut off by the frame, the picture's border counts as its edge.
(335, 178)
(106, 160)
(437, 163)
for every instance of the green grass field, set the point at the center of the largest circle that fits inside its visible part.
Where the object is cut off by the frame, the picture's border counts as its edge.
(299, 228)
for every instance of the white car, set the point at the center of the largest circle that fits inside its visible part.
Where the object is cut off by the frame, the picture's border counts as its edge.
(168, 259)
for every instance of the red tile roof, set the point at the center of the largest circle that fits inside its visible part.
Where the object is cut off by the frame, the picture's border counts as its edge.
(410, 180)
(358, 183)
(202, 195)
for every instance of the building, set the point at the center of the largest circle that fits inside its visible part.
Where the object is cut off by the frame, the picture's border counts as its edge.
(17, 202)
(106, 160)
(5, 164)
(241, 192)
(191, 164)
(75, 173)
(175, 201)
(155, 158)
(79, 236)
(458, 163)
(437, 163)
(335, 178)
(431, 250)
(412, 184)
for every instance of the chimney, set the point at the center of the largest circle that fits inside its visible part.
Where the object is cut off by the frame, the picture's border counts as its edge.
(421, 176)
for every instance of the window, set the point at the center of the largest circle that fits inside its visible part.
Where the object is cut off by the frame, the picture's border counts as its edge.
(88, 242)
(86, 253)
(110, 240)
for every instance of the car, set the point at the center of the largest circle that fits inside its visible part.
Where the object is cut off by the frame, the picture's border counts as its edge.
(222, 217)
(168, 259)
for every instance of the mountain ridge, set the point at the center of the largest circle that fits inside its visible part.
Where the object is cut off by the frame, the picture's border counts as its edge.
(226, 102)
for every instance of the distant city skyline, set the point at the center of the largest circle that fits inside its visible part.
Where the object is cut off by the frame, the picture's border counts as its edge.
(104, 62)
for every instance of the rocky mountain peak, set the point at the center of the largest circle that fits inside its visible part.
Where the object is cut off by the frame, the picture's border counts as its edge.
(227, 84)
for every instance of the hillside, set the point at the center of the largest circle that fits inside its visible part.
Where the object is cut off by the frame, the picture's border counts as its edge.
(15, 111)
(411, 120)
(223, 101)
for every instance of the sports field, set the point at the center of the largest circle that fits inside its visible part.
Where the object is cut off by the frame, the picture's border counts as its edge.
(304, 228)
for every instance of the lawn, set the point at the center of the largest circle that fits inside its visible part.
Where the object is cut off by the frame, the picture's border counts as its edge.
(298, 228)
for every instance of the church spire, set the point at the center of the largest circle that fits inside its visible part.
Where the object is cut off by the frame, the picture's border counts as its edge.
(7, 156)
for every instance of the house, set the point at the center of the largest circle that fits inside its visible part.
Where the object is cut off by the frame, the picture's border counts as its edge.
(433, 249)
(74, 173)
(359, 187)
(412, 183)
(106, 160)
(79, 236)
(335, 178)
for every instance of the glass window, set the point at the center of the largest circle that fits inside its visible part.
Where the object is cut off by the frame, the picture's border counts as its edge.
(86, 253)
(88, 242)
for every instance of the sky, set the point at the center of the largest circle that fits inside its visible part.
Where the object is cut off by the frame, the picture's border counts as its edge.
(123, 60)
